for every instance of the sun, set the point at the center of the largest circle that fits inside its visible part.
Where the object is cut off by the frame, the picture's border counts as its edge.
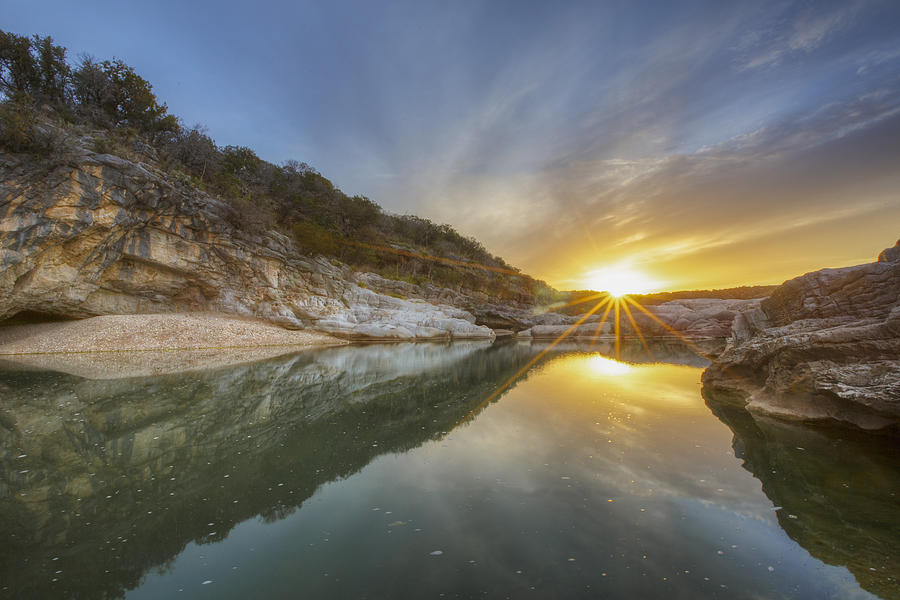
(619, 280)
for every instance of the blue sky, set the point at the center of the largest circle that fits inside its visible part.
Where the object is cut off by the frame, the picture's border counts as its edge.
(705, 143)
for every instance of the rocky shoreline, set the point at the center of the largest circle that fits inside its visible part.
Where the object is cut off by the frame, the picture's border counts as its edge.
(100, 235)
(823, 346)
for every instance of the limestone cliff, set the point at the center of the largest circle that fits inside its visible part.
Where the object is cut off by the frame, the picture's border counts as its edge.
(97, 234)
(825, 345)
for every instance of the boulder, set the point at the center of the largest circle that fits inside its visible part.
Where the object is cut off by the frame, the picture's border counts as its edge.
(823, 346)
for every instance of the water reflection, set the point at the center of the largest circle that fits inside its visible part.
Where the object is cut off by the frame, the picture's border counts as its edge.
(104, 479)
(837, 489)
(603, 365)
(152, 484)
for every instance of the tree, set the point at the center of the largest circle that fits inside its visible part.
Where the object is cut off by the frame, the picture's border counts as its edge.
(240, 160)
(356, 213)
(33, 68)
(114, 91)
(90, 83)
(295, 167)
(195, 150)
(53, 70)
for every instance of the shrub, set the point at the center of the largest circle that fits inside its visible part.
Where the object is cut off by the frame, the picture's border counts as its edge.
(101, 145)
(21, 132)
(314, 238)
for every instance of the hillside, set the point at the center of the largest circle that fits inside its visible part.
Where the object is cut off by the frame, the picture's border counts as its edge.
(50, 109)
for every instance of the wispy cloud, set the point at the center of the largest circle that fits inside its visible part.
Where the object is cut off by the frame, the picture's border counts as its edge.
(786, 33)
(791, 178)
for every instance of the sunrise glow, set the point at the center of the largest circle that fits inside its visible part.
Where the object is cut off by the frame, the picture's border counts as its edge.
(619, 280)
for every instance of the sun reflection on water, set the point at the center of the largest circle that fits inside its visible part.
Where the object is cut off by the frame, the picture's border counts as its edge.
(601, 365)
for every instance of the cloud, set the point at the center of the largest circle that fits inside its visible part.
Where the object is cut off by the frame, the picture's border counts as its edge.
(787, 180)
(785, 34)
(874, 61)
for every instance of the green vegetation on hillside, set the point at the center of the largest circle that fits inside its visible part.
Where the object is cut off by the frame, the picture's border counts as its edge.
(118, 108)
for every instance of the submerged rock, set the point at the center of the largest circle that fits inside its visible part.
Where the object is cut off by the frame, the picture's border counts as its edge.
(825, 345)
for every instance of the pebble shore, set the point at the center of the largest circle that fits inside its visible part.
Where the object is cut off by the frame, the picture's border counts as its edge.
(122, 333)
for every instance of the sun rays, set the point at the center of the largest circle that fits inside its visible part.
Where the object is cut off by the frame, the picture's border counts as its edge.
(620, 281)
(609, 304)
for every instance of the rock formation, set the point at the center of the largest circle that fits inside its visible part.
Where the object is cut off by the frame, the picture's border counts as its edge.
(101, 235)
(700, 318)
(825, 345)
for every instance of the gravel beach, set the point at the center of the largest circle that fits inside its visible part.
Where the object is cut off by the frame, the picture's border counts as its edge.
(119, 333)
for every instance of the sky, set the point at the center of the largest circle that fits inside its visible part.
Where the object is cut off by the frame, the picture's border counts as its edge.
(703, 144)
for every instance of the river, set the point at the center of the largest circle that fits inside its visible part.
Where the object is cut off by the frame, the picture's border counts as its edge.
(434, 471)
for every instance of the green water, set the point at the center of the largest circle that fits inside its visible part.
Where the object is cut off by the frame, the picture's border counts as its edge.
(396, 471)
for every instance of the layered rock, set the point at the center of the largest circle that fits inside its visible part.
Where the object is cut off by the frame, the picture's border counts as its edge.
(825, 345)
(100, 235)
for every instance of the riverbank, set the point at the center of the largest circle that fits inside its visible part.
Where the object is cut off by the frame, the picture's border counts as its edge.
(151, 332)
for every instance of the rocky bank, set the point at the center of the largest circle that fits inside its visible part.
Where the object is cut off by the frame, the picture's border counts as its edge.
(823, 346)
(99, 235)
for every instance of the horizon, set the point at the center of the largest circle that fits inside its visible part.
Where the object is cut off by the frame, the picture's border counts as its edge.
(697, 146)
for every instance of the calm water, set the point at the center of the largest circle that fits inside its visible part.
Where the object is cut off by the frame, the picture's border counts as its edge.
(379, 472)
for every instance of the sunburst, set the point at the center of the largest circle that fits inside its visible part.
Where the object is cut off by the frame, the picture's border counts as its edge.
(610, 304)
(620, 279)
(618, 282)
